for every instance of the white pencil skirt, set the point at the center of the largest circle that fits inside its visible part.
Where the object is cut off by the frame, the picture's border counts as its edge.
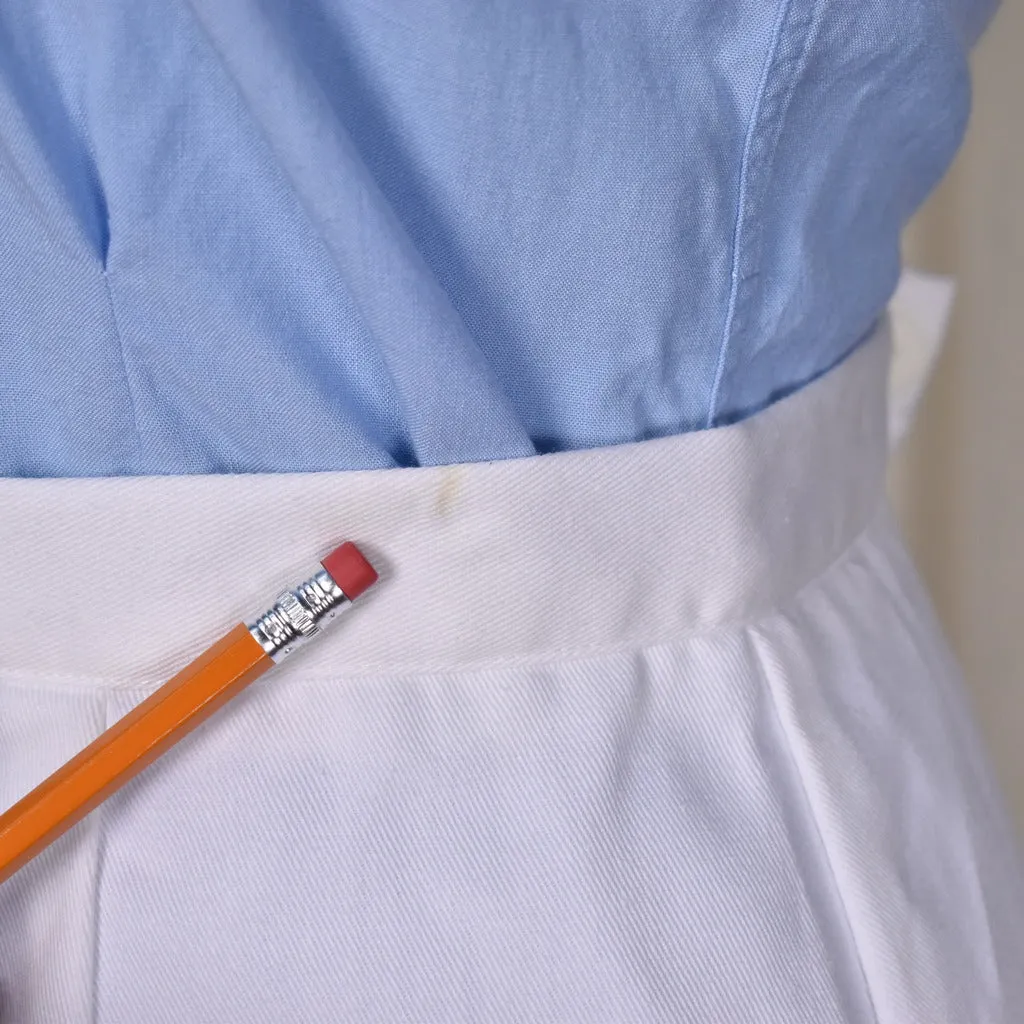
(662, 732)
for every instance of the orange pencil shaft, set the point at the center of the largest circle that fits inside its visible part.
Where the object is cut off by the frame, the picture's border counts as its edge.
(128, 746)
(181, 704)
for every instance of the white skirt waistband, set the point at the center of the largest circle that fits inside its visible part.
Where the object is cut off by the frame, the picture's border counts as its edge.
(121, 580)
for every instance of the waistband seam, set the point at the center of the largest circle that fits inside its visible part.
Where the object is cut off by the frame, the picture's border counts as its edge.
(51, 682)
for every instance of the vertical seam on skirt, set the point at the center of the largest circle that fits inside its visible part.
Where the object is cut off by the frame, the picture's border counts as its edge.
(99, 814)
(756, 641)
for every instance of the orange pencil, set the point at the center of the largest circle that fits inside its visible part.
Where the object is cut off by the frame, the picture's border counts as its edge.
(181, 704)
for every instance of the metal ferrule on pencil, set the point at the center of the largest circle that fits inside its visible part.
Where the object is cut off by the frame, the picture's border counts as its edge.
(298, 615)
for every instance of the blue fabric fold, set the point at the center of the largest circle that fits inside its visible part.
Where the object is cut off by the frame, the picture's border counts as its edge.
(244, 236)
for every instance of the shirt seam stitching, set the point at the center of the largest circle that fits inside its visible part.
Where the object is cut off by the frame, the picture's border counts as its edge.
(135, 452)
(743, 205)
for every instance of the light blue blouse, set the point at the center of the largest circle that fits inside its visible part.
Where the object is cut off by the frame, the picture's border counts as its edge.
(250, 235)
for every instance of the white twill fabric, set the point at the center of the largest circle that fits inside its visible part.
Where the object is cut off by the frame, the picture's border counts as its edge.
(664, 732)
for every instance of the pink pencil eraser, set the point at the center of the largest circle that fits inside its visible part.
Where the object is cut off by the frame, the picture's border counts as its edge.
(349, 568)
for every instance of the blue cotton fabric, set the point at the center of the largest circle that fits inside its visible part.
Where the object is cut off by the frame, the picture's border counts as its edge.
(243, 236)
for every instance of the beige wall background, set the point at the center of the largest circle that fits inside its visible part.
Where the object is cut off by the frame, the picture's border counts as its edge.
(958, 481)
